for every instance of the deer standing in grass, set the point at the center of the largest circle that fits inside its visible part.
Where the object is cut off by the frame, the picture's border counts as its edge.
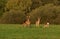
(38, 22)
(27, 22)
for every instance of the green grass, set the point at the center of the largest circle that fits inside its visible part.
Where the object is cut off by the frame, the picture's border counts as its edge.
(15, 31)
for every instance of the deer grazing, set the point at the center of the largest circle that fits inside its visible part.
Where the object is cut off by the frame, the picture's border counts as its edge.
(46, 25)
(27, 22)
(37, 22)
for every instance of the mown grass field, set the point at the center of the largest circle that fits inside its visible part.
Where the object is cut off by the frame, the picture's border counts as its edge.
(15, 31)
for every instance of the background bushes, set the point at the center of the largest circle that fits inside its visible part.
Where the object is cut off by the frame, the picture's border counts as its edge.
(15, 11)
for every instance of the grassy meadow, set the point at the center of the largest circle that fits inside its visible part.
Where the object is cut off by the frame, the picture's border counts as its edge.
(16, 31)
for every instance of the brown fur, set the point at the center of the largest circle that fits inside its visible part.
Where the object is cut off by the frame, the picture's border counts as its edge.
(27, 22)
(46, 25)
(38, 22)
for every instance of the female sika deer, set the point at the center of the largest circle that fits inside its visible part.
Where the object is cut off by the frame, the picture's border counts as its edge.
(27, 22)
(38, 22)
(46, 25)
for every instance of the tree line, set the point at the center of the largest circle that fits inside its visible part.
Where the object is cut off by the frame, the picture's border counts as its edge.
(15, 11)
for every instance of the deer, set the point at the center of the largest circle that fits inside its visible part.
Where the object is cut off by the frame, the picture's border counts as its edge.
(27, 22)
(37, 22)
(46, 25)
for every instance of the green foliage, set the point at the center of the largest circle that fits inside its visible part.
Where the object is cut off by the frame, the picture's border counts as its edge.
(57, 20)
(2, 5)
(15, 11)
(56, 2)
(47, 10)
(13, 16)
(36, 4)
(22, 5)
(47, 13)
